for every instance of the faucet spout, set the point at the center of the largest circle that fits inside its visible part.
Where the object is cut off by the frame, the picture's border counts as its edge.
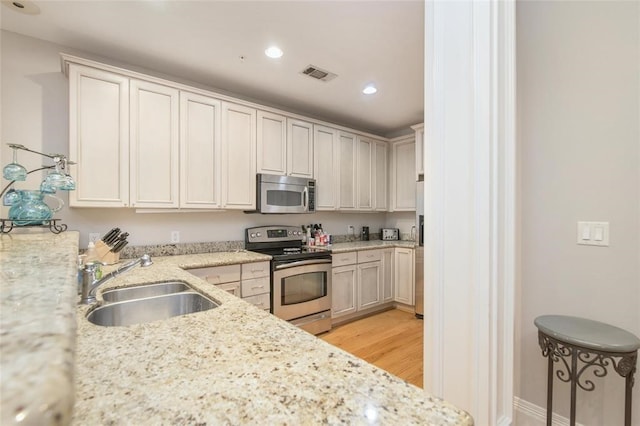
(90, 284)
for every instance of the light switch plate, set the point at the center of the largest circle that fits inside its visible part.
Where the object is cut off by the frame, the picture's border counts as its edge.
(593, 234)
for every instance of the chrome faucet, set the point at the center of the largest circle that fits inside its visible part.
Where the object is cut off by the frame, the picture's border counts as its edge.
(90, 284)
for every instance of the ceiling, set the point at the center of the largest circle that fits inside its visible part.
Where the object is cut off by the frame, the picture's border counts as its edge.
(221, 44)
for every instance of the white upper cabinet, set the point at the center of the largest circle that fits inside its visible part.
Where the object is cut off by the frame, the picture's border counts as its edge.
(200, 151)
(272, 143)
(285, 145)
(325, 158)
(403, 175)
(98, 137)
(238, 157)
(299, 148)
(419, 129)
(154, 147)
(365, 184)
(146, 142)
(380, 172)
(347, 156)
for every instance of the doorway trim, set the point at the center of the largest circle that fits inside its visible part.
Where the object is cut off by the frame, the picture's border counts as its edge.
(470, 205)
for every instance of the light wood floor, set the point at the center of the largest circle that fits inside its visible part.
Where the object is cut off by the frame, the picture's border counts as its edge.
(391, 340)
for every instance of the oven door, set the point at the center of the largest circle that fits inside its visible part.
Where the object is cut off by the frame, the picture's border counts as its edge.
(301, 288)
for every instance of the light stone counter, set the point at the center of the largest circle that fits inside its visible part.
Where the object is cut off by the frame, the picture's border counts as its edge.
(369, 245)
(234, 364)
(37, 327)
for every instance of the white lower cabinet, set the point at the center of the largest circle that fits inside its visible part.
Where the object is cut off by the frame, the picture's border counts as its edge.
(387, 275)
(251, 281)
(369, 284)
(364, 279)
(226, 278)
(256, 284)
(404, 276)
(343, 289)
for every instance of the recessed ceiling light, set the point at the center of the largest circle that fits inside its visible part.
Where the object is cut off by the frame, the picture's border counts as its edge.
(22, 6)
(273, 52)
(369, 89)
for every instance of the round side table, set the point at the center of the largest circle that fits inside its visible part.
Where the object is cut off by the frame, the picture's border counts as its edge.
(596, 345)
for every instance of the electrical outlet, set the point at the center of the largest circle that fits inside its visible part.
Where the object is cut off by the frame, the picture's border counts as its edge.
(350, 230)
(94, 237)
(175, 236)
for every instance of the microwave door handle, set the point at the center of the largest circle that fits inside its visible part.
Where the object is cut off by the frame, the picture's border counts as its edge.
(305, 198)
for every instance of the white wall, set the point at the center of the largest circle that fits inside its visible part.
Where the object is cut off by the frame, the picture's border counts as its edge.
(578, 66)
(35, 114)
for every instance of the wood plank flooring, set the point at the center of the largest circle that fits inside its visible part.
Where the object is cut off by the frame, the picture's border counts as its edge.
(391, 340)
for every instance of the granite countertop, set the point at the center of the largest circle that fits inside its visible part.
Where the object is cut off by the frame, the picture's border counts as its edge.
(370, 245)
(37, 327)
(234, 364)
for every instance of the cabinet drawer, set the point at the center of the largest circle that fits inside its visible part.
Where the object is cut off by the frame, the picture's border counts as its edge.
(218, 274)
(256, 286)
(232, 288)
(369, 256)
(261, 301)
(341, 259)
(255, 270)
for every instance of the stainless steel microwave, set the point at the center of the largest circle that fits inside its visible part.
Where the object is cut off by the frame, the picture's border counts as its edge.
(285, 194)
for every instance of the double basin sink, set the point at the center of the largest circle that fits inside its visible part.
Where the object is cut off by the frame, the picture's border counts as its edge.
(148, 302)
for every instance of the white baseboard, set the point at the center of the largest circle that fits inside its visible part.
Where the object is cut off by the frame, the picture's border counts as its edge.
(536, 413)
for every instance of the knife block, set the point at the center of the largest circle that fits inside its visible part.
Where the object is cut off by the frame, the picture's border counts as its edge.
(105, 254)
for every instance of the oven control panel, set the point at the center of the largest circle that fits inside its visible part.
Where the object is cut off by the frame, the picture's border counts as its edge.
(266, 234)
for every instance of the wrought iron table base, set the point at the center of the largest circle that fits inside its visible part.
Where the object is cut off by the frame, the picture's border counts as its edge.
(624, 363)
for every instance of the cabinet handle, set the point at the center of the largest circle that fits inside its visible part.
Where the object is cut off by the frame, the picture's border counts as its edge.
(256, 287)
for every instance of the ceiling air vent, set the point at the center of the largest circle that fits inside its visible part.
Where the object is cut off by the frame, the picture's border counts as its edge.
(318, 74)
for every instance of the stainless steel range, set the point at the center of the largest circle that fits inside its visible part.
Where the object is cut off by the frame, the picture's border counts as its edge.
(300, 276)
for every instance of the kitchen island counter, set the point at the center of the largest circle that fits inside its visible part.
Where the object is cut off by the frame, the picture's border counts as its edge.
(233, 364)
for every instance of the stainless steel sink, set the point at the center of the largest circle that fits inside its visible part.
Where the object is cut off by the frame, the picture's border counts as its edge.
(138, 311)
(145, 290)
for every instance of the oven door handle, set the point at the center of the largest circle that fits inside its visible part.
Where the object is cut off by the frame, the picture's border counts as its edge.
(302, 263)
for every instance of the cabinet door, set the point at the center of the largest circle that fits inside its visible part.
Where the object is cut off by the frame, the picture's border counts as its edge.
(419, 129)
(369, 284)
(154, 145)
(404, 278)
(98, 137)
(272, 143)
(387, 275)
(364, 182)
(347, 155)
(343, 290)
(404, 183)
(299, 148)
(238, 157)
(325, 159)
(199, 151)
(381, 176)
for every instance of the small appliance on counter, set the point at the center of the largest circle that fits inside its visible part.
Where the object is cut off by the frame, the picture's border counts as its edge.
(108, 248)
(390, 234)
(365, 233)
